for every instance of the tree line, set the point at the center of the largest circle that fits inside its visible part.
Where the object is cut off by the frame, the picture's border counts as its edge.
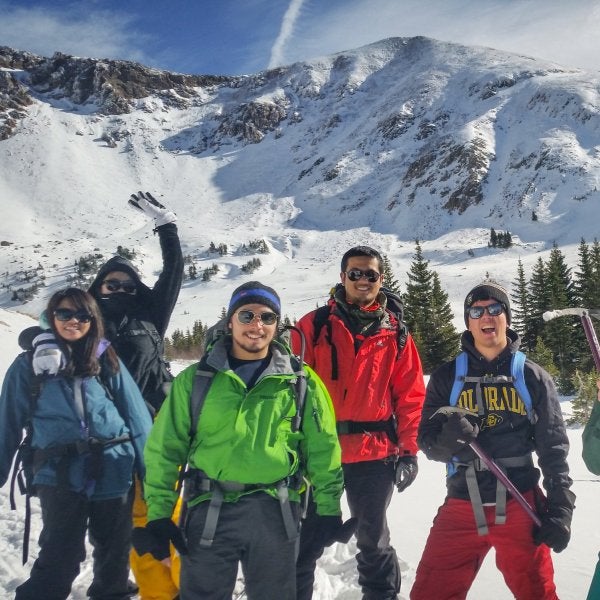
(560, 345)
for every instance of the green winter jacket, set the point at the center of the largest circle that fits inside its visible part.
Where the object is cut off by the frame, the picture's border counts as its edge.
(591, 441)
(245, 435)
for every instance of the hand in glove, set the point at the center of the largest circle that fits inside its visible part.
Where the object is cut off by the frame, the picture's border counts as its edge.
(406, 471)
(457, 433)
(330, 529)
(48, 358)
(156, 537)
(555, 530)
(151, 207)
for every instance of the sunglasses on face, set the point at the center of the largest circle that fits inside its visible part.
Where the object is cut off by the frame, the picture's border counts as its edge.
(66, 314)
(476, 312)
(247, 316)
(114, 285)
(370, 275)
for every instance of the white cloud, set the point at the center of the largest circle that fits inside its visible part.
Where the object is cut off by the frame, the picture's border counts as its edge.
(287, 28)
(76, 30)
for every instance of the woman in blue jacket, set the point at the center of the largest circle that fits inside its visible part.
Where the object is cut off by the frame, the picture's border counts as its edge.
(88, 427)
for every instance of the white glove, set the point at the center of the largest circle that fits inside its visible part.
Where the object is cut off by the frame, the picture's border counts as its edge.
(48, 358)
(152, 208)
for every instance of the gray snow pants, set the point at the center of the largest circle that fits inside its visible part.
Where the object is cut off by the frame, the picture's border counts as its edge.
(250, 533)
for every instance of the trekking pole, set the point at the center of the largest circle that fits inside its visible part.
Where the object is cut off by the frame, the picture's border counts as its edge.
(489, 462)
(585, 315)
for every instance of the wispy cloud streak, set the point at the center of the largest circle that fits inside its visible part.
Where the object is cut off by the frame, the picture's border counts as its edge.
(287, 28)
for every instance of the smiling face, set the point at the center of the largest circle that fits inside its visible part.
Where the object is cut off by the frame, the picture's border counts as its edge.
(73, 329)
(489, 333)
(251, 341)
(362, 292)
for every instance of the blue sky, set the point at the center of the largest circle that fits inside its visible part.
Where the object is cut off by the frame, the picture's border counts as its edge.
(245, 36)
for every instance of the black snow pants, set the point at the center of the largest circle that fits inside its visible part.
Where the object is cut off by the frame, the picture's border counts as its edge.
(67, 517)
(369, 487)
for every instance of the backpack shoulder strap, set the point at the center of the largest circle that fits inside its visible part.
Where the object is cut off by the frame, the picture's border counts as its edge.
(461, 363)
(202, 382)
(396, 308)
(320, 319)
(517, 369)
(299, 391)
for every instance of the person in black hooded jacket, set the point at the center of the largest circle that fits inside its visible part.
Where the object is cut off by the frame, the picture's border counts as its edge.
(477, 514)
(135, 321)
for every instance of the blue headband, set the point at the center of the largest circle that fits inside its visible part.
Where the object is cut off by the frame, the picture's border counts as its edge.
(255, 292)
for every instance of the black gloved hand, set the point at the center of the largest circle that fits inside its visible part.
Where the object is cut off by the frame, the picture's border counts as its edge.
(330, 529)
(555, 530)
(406, 471)
(457, 433)
(151, 207)
(156, 537)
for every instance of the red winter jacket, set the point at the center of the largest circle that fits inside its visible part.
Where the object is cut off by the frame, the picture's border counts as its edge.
(371, 385)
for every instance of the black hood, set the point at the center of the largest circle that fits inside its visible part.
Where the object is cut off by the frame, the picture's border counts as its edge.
(118, 263)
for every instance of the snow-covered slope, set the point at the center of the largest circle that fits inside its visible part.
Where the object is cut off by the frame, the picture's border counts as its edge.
(402, 139)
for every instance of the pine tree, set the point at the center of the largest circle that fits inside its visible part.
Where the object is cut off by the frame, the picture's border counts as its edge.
(542, 355)
(538, 303)
(559, 334)
(585, 292)
(587, 393)
(417, 298)
(520, 303)
(389, 280)
(443, 340)
(428, 314)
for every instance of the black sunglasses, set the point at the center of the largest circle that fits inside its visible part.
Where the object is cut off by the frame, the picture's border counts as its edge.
(114, 285)
(476, 312)
(370, 275)
(247, 316)
(66, 314)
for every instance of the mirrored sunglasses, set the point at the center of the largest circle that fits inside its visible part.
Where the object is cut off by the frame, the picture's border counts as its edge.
(66, 314)
(476, 312)
(247, 316)
(370, 275)
(114, 285)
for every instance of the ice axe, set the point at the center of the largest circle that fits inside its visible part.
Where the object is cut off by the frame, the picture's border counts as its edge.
(585, 315)
(493, 466)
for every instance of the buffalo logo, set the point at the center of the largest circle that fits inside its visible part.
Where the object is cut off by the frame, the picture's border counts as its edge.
(491, 421)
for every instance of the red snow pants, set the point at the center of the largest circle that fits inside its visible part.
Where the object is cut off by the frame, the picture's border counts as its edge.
(454, 552)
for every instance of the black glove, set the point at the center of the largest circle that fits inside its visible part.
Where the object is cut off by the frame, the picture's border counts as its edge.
(406, 471)
(555, 530)
(156, 537)
(331, 529)
(457, 433)
(151, 207)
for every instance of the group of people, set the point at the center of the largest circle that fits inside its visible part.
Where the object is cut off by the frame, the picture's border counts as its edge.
(242, 459)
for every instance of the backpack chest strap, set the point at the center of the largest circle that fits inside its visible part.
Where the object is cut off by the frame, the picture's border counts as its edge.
(475, 496)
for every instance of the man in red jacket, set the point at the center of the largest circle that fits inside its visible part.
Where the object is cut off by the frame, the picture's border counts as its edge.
(375, 379)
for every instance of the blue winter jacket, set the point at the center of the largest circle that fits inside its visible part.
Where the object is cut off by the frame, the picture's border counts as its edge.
(56, 422)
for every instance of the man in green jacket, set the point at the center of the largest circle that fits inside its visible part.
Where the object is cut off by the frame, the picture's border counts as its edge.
(245, 460)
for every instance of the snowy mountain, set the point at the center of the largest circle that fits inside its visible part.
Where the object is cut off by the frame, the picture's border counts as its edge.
(404, 138)
(380, 145)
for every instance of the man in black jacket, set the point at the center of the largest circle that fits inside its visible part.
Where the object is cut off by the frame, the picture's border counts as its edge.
(476, 514)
